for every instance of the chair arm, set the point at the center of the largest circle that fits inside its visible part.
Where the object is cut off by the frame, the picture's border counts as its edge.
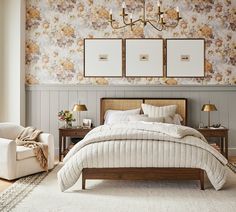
(48, 139)
(7, 158)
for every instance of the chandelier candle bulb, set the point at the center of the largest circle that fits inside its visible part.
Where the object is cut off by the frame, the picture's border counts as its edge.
(177, 10)
(123, 9)
(131, 17)
(123, 5)
(110, 15)
(158, 8)
(131, 21)
(162, 18)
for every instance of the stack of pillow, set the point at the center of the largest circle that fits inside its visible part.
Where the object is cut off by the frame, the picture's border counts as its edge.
(164, 114)
(167, 113)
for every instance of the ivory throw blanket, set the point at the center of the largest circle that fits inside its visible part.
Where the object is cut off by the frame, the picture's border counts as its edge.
(28, 138)
(143, 144)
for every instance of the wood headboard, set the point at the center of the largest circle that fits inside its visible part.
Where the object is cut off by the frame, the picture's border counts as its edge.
(132, 103)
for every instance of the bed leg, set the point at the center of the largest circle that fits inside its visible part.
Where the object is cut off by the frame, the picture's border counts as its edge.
(83, 182)
(202, 180)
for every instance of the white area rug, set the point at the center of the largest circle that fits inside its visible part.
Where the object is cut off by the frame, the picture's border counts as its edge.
(128, 196)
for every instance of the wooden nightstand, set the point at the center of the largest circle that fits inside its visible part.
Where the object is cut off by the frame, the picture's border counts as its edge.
(221, 133)
(73, 132)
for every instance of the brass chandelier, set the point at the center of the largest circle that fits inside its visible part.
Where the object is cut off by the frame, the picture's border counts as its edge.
(159, 22)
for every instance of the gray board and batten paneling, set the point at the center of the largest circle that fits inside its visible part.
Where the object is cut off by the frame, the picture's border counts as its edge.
(44, 102)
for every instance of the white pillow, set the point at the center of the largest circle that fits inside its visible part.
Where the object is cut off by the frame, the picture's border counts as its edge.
(176, 119)
(168, 120)
(155, 112)
(145, 118)
(116, 116)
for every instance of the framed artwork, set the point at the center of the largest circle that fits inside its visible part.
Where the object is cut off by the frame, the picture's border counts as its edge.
(144, 57)
(102, 57)
(87, 123)
(185, 58)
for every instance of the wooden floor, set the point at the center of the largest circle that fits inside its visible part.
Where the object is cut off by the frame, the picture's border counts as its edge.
(5, 183)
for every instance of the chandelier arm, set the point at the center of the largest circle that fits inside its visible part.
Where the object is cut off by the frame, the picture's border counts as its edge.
(125, 23)
(172, 25)
(166, 25)
(133, 22)
(156, 21)
(155, 26)
(137, 20)
(118, 27)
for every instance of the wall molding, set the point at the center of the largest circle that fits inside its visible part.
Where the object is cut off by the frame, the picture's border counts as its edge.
(44, 101)
(90, 87)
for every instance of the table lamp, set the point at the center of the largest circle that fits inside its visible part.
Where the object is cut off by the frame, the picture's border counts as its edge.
(78, 108)
(209, 108)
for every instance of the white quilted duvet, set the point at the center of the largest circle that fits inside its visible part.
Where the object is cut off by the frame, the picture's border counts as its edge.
(142, 144)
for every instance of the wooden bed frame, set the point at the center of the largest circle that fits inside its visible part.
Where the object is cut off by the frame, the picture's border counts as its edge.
(143, 173)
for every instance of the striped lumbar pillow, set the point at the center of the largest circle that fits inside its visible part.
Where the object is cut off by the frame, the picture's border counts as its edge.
(156, 112)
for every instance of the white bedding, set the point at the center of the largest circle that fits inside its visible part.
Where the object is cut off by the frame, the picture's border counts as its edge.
(142, 144)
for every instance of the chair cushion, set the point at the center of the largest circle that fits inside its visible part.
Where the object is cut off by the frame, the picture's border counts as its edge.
(24, 152)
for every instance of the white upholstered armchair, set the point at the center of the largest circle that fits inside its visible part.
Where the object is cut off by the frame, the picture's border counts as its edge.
(19, 161)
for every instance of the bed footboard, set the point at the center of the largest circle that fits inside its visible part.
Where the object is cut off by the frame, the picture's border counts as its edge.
(143, 174)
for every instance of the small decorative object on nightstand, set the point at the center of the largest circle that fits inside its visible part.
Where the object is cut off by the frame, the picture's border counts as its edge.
(209, 108)
(78, 108)
(67, 117)
(73, 132)
(221, 133)
(87, 123)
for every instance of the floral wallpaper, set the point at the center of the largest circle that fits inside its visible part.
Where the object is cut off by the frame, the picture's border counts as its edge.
(55, 30)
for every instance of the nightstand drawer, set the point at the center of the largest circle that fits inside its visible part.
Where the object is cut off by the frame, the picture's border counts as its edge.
(214, 133)
(74, 132)
(78, 133)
